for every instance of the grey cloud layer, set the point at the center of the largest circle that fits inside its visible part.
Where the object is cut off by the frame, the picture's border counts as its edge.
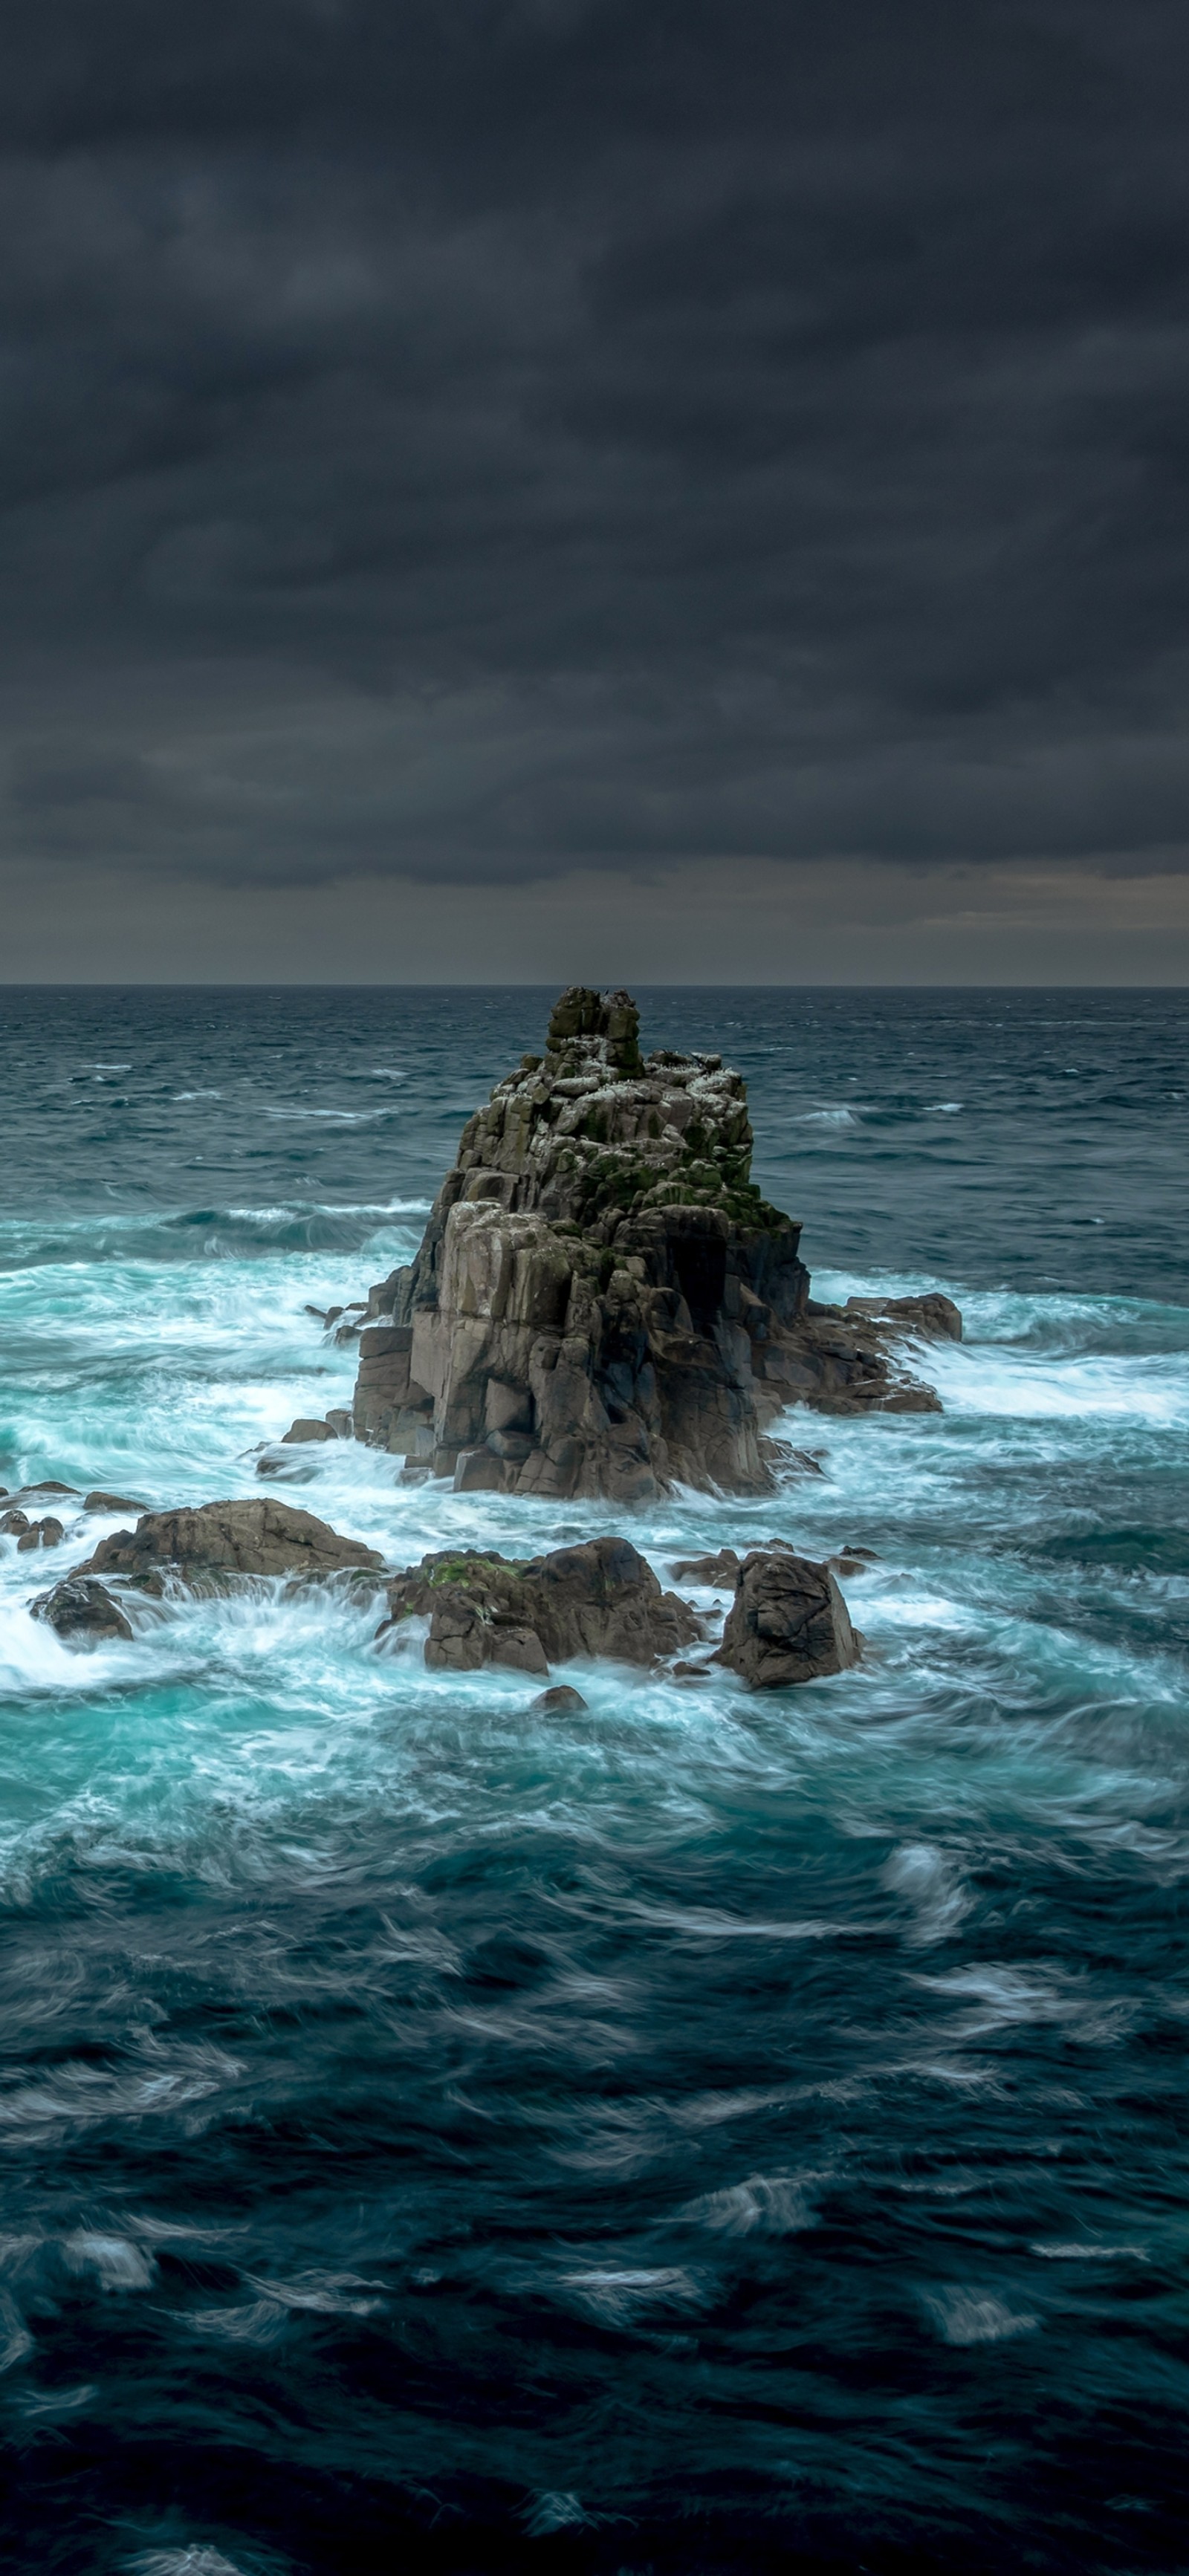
(478, 439)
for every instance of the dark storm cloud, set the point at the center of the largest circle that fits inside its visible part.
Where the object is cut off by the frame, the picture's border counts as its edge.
(476, 439)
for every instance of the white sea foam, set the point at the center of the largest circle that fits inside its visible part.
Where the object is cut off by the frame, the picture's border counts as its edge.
(929, 1880)
(968, 2317)
(1017, 1385)
(196, 2560)
(766, 2204)
(1084, 2252)
(337, 1117)
(618, 2295)
(553, 2512)
(116, 2263)
(15, 2338)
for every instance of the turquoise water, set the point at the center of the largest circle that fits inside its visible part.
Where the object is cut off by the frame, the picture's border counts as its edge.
(704, 2133)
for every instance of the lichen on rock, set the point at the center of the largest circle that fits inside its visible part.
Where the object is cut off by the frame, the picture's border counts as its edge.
(600, 1598)
(603, 1302)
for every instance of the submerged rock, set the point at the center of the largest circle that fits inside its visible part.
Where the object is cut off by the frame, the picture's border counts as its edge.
(933, 1317)
(82, 1612)
(600, 1598)
(206, 1546)
(561, 1701)
(603, 1303)
(788, 1622)
(718, 1571)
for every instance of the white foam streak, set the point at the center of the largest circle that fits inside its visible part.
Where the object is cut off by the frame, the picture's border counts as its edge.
(966, 2317)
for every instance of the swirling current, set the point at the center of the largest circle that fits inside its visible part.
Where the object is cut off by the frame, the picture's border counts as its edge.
(708, 2132)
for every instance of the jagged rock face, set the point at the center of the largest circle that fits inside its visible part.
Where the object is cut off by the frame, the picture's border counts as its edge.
(601, 1598)
(787, 1623)
(603, 1303)
(207, 1547)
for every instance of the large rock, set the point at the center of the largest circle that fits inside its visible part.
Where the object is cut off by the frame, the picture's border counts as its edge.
(603, 1303)
(81, 1612)
(206, 1547)
(787, 1623)
(600, 1598)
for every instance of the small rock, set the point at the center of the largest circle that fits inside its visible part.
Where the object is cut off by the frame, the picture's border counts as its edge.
(558, 1702)
(287, 1465)
(99, 1502)
(719, 1570)
(691, 1672)
(788, 1623)
(81, 1612)
(45, 1533)
(799, 1462)
(13, 1524)
(846, 1565)
(305, 1429)
(338, 1422)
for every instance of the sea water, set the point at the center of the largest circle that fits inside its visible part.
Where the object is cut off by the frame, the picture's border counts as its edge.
(700, 2131)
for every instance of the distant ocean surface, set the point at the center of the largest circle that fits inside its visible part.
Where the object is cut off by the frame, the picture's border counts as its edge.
(706, 2135)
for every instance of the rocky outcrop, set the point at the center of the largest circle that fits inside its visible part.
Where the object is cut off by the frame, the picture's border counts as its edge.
(787, 1623)
(603, 1303)
(206, 1547)
(28, 1534)
(929, 1318)
(44, 1533)
(336, 1425)
(82, 1612)
(600, 1598)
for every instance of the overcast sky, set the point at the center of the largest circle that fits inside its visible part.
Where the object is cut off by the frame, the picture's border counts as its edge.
(624, 487)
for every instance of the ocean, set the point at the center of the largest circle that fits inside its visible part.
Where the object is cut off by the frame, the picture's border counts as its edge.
(705, 2132)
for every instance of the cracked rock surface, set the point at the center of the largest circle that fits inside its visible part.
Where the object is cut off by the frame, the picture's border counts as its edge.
(207, 1546)
(600, 1598)
(787, 1623)
(603, 1303)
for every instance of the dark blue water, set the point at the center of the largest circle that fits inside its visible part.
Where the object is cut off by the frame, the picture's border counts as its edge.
(707, 2133)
